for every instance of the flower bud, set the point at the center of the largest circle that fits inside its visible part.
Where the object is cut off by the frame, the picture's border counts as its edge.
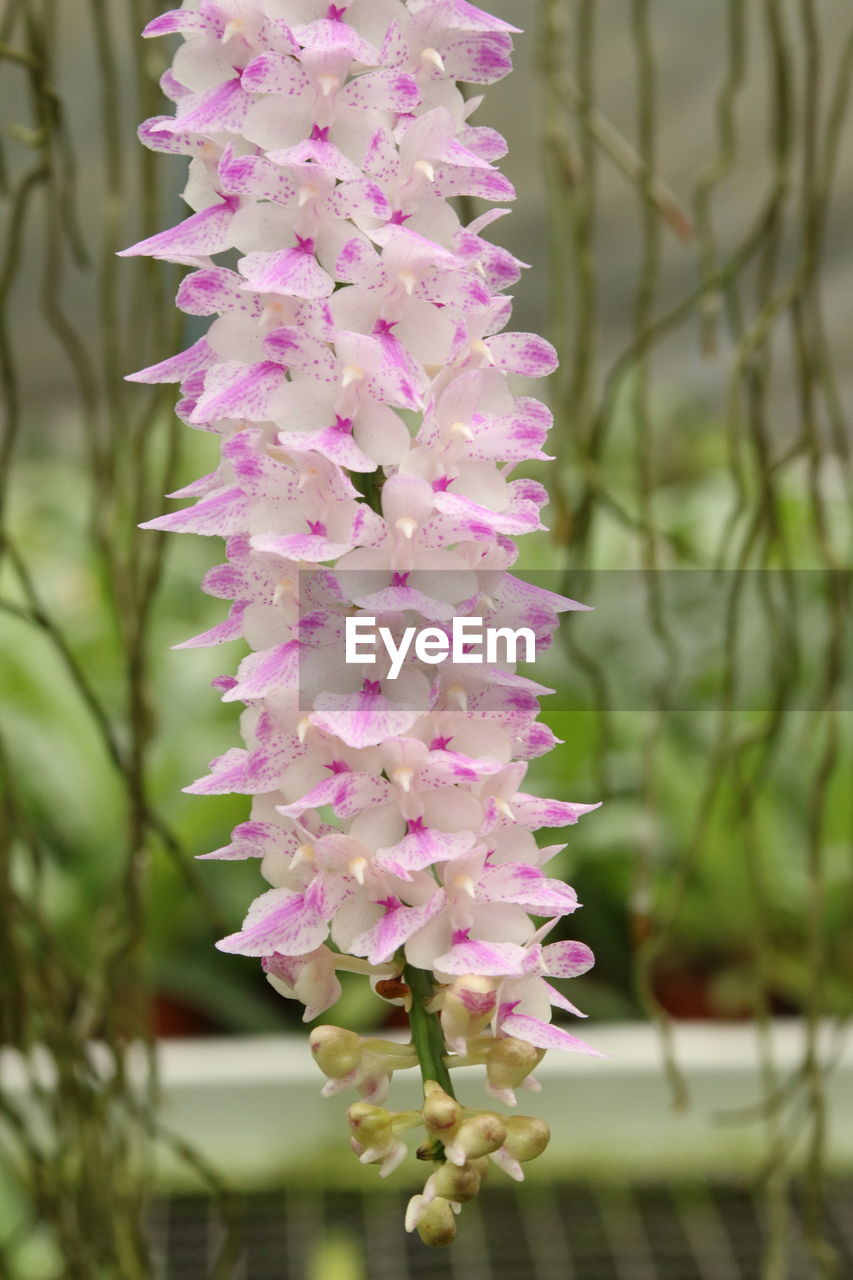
(437, 1227)
(477, 1137)
(511, 1061)
(454, 1182)
(434, 1220)
(369, 1125)
(441, 1113)
(336, 1051)
(526, 1137)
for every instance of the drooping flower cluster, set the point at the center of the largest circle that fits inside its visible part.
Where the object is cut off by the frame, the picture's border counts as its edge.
(359, 375)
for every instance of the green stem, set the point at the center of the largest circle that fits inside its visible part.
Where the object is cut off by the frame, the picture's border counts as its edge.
(427, 1035)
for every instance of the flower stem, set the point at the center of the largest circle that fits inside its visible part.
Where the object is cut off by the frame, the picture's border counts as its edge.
(427, 1035)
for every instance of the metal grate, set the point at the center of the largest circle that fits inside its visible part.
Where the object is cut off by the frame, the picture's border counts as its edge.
(571, 1231)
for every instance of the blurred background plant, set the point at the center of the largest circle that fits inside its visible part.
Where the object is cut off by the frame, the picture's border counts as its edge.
(701, 425)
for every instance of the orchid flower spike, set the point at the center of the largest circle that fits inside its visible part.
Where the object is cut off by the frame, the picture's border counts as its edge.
(359, 375)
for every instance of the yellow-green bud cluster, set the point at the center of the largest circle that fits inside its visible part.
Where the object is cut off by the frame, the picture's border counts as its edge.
(468, 1139)
(459, 1141)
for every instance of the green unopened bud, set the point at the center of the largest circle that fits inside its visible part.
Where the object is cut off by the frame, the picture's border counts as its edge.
(511, 1062)
(442, 1114)
(337, 1052)
(369, 1125)
(526, 1137)
(477, 1137)
(455, 1182)
(437, 1223)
